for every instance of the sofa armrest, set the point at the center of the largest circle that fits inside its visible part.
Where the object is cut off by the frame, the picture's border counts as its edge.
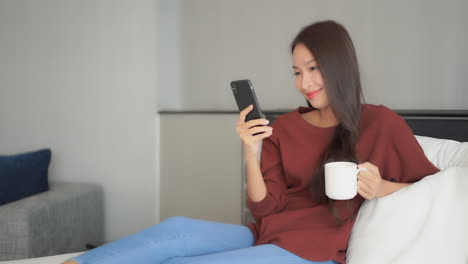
(61, 220)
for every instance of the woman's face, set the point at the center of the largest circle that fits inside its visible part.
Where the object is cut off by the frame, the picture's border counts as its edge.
(309, 81)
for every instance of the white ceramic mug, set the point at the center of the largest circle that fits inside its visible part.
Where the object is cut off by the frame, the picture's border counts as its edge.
(341, 179)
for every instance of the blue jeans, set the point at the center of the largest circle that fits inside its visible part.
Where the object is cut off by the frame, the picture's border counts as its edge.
(180, 240)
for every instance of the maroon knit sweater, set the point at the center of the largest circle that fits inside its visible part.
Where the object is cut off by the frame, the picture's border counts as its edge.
(289, 217)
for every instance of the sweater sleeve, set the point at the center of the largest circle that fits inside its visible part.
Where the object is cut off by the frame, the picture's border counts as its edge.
(273, 175)
(411, 163)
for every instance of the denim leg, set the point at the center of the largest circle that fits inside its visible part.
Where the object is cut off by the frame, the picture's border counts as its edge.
(174, 237)
(263, 254)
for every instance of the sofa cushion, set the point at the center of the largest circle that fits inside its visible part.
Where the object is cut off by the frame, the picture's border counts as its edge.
(24, 174)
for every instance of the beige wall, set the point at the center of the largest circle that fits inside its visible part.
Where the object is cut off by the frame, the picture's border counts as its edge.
(80, 77)
(201, 167)
(412, 53)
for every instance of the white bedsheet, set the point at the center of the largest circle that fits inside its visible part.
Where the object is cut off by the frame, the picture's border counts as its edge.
(58, 259)
(425, 222)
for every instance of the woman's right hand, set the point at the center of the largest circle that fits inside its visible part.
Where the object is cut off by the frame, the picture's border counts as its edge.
(246, 131)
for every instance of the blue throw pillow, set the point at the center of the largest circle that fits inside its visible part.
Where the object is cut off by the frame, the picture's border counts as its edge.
(23, 175)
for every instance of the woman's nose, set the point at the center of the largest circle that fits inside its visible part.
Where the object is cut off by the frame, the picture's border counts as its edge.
(306, 82)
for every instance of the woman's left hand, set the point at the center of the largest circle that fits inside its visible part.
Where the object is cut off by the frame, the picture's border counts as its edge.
(370, 183)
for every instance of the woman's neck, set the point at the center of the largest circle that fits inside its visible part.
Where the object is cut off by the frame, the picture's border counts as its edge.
(327, 117)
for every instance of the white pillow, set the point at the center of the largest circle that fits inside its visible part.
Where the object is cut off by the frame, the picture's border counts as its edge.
(444, 153)
(422, 223)
(375, 234)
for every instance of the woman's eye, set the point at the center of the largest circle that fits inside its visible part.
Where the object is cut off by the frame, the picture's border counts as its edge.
(296, 73)
(314, 68)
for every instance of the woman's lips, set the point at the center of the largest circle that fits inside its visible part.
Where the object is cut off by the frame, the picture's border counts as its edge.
(314, 93)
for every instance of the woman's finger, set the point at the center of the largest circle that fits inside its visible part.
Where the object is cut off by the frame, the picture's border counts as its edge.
(365, 189)
(243, 126)
(251, 139)
(367, 177)
(369, 166)
(244, 113)
(363, 186)
(364, 180)
(369, 189)
(256, 122)
(365, 174)
(264, 135)
(363, 194)
(259, 129)
(244, 130)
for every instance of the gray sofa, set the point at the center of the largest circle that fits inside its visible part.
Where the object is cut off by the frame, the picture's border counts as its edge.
(67, 218)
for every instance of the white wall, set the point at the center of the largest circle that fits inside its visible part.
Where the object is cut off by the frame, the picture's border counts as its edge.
(412, 53)
(80, 77)
(169, 54)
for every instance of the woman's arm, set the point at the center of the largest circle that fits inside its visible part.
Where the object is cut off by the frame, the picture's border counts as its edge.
(256, 188)
(266, 188)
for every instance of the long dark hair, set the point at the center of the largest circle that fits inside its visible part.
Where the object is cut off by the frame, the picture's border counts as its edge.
(334, 52)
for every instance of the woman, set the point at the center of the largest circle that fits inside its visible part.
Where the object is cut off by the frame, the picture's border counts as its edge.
(295, 221)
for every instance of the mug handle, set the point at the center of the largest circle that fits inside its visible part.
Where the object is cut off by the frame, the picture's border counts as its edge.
(358, 171)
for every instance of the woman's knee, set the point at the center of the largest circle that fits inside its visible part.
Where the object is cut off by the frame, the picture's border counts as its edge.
(173, 224)
(202, 228)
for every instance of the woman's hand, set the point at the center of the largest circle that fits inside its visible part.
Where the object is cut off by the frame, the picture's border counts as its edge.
(370, 183)
(247, 129)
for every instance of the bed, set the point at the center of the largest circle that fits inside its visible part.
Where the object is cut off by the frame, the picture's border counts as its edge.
(442, 124)
(57, 259)
(426, 222)
(437, 132)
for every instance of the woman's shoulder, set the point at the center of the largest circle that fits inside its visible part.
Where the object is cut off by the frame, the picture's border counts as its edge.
(290, 124)
(288, 117)
(381, 120)
(378, 113)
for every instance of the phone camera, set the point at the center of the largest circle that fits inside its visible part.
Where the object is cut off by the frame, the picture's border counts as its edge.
(234, 89)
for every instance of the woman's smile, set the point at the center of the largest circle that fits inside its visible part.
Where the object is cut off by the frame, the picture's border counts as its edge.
(312, 94)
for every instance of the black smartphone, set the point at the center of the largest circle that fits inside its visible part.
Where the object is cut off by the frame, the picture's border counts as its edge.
(244, 94)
